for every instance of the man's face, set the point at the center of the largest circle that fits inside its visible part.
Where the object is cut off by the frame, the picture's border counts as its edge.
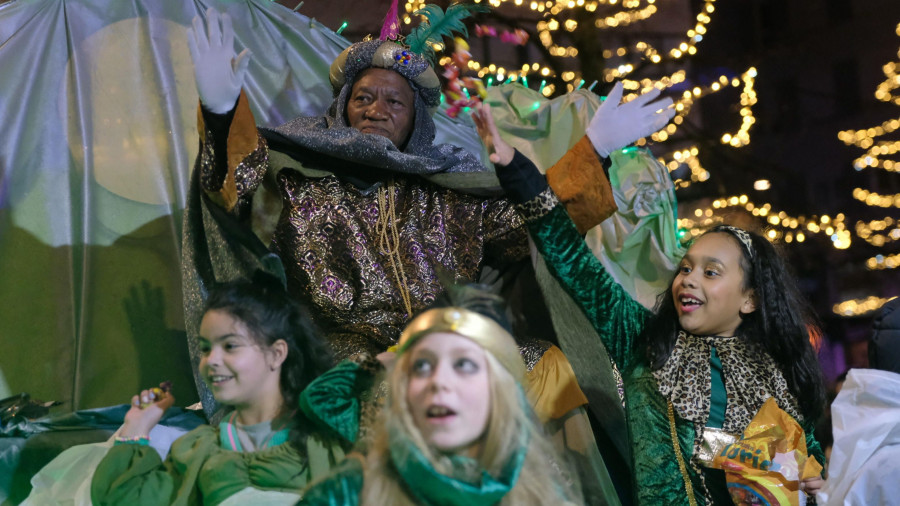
(382, 103)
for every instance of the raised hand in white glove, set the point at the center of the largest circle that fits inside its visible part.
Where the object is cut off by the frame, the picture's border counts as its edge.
(218, 73)
(616, 125)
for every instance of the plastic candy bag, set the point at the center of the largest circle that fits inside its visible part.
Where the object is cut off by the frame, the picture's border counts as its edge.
(766, 466)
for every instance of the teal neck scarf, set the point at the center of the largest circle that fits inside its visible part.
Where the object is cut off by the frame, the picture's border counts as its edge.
(435, 489)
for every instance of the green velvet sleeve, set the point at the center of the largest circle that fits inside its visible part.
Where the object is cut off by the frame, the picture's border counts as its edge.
(813, 447)
(341, 488)
(332, 400)
(617, 318)
(133, 474)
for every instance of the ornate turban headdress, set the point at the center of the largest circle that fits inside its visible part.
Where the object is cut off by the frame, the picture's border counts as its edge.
(412, 56)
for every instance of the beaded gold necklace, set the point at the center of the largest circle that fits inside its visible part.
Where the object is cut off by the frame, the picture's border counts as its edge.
(389, 240)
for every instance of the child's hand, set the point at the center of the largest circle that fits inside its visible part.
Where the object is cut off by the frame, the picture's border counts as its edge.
(812, 485)
(147, 408)
(501, 152)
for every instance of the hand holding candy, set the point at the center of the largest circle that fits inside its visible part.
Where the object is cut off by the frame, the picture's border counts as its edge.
(156, 393)
(147, 408)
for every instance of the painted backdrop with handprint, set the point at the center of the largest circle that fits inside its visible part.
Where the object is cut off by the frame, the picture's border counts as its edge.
(100, 111)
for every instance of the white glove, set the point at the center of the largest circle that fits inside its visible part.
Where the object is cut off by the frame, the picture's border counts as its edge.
(218, 73)
(615, 126)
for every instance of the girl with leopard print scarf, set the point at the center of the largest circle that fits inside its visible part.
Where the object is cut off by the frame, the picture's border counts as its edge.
(730, 332)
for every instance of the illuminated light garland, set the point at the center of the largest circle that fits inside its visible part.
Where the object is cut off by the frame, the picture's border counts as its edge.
(789, 228)
(859, 307)
(874, 157)
(866, 139)
(880, 240)
(879, 262)
(683, 108)
(875, 200)
(862, 138)
(548, 5)
(545, 27)
(534, 68)
(574, 80)
(748, 100)
(885, 89)
(617, 20)
(621, 19)
(884, 92)
(684, 48)
(690, 158)
(870, 232)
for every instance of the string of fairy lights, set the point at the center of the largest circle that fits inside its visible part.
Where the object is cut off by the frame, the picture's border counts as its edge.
(856, 307)
(876, 200)
(877, 151)
(632, 10)
(879, 262)
(779, 225)
(877, 155)
(879, 232)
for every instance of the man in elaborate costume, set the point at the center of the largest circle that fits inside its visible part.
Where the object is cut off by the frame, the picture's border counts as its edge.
(368, 217)
(371, 211)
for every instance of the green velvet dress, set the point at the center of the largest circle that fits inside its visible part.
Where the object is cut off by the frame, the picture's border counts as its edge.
(341, 488)
(619, 319)
(202, 468)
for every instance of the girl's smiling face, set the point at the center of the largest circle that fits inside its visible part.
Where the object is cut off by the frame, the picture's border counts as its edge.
(709, 288)
(238, 370)
(449, 392)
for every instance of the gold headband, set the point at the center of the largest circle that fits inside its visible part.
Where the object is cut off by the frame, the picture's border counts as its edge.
(482, 330)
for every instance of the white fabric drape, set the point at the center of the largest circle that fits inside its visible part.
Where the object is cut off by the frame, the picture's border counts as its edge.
(98, 108)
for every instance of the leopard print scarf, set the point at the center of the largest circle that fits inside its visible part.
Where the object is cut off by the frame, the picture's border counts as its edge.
(750, 377)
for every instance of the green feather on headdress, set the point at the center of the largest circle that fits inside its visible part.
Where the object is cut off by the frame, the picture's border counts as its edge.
(439, 24)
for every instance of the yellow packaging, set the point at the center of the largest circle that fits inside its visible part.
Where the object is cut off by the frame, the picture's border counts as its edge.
(770, 460)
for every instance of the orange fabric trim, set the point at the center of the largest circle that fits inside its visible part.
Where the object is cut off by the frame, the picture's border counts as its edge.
(242, 141)
(582, 186)
(551, 386)
(201, 125)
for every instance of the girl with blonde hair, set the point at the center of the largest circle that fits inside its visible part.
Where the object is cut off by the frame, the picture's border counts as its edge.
(457, 428)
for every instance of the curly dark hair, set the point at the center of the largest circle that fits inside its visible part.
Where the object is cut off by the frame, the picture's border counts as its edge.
(270, 314)
(781, 325)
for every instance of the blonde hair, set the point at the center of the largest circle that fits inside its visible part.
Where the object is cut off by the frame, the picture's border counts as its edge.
(543, 479)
